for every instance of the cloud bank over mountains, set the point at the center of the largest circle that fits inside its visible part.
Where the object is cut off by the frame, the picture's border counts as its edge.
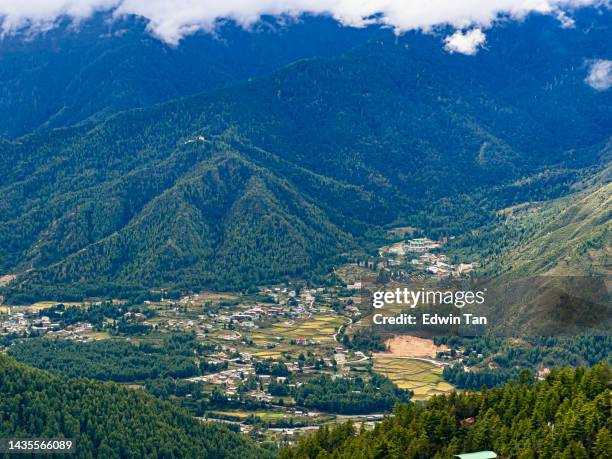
(172, 20)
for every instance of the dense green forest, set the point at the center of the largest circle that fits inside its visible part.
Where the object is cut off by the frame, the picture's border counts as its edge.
(364, 339)
(350, 395)
(107, 420)
(496, 361)
(106, 64)
(566, 416)
(113, 360)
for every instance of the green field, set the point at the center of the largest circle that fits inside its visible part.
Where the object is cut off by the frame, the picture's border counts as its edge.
(266, 416)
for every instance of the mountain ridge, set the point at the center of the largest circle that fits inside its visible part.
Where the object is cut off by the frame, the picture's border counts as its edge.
(380, 135)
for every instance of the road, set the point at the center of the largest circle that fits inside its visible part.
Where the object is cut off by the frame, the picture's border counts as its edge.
(347, 324)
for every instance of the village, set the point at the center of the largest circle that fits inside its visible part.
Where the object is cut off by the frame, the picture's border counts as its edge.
(280, 335)
(423, 255)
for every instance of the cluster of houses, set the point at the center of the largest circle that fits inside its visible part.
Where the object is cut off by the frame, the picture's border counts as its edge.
(283, 295)
(30, 323)
(418, 245)
(247, 318)
(16, 323)
(20, 323)
(287, 303)
(230, 379)
(419, 250)
(77, 331)
(438, 264)
(240, 371)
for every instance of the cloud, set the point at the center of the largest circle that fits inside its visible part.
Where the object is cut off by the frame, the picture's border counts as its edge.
(171, 20)
(465, 43)
(565, 21)
(600, 75)
(42, 14)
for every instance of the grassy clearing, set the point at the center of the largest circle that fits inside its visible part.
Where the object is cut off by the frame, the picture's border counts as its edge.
(266, 416)
(98, 335)
(234, 415)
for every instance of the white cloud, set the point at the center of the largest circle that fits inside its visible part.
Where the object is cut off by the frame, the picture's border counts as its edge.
(42, 14)
(565, 21)
(171, 20)
(600, 75)
(465, 43)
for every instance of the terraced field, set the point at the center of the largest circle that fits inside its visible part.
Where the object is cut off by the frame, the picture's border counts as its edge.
(319, 329)
(421, 377)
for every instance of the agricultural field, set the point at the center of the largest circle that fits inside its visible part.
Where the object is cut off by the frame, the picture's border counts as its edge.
(413, 346)
(318, 329)
(36, 307)
(265, 354)
(422, 377)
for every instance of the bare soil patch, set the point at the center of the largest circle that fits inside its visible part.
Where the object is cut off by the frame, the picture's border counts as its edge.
(4, 280)
(413, 346)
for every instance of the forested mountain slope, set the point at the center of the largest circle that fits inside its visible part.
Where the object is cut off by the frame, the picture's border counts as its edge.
(547, 264)
(102, 65)
(574, 236)
(567, 416)
(276, 176)
(571, 235)
(227, 222)
(107, 420)
(203, 216)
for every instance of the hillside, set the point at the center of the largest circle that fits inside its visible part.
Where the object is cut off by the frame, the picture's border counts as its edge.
(103, 65)
(226, 222)
(568, 236)
(566, 416)
(279, 176)
(107, 420)
(546, 264)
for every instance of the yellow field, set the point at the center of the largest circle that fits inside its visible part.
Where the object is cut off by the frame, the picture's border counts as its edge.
(205, 297)
(48, 304)
(267, 354)
(36, 307)
(320, 328)
(216, 296)
(423, 378)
